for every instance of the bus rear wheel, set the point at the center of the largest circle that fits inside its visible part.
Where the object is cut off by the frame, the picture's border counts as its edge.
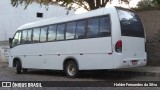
(71, 69)
(18, 67)
(25, 70)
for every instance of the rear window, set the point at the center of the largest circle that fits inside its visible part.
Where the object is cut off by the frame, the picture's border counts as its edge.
(131, 24)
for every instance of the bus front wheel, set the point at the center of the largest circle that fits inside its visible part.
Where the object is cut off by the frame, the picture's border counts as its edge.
(71, 69)
(18, 67)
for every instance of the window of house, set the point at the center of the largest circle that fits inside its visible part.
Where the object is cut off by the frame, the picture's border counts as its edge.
(40, 15)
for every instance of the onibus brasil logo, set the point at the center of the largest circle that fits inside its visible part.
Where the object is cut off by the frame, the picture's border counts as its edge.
(20, 84)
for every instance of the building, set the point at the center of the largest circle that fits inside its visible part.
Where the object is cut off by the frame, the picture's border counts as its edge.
(13, 17)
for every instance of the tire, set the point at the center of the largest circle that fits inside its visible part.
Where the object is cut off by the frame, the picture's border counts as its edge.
(18, 67)
(25, 70)
(71, 69)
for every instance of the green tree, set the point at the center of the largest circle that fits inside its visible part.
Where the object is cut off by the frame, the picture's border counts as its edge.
(156, 2)
(144, 4)
(87, 4)
(148, 3)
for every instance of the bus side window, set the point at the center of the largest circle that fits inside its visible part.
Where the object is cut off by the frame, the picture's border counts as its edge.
(60, 32)
(24, 36)
(36, 34)
(70, 30)
(93, 27)
(43, 34)
(17, 39)
(105, 26)
(29, 35)
(81, 29)
(52, 33)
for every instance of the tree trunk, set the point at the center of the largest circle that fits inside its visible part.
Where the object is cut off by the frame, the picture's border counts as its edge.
(98, 3)
(94, 4)
(91, 4)
(104, 2)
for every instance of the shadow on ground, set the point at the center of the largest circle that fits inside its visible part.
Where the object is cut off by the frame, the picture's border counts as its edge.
(94, 75)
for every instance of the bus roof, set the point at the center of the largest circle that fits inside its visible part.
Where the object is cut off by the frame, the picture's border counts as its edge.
(66, 18)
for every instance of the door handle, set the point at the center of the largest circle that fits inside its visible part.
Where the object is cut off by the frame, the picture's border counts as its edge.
(40, 55)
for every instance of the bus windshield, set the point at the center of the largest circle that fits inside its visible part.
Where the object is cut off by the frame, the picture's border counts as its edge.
(131, 24)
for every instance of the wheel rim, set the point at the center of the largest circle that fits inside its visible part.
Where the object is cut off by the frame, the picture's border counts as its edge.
(71, 70)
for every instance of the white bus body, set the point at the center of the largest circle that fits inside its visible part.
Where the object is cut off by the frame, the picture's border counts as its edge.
(118, 49)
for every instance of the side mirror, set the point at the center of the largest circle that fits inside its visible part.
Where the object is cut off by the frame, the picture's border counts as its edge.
(10, 42)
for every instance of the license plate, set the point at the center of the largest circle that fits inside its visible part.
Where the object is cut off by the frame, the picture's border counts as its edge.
(134, 62)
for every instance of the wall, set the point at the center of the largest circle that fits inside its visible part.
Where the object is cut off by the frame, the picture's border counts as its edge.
(4, 51)
(151, 20)
(11, 17)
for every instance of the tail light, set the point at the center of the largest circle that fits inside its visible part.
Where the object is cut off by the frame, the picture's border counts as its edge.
(118, 46)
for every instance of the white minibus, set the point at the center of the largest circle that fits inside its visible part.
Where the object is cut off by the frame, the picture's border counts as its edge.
(106, 38)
